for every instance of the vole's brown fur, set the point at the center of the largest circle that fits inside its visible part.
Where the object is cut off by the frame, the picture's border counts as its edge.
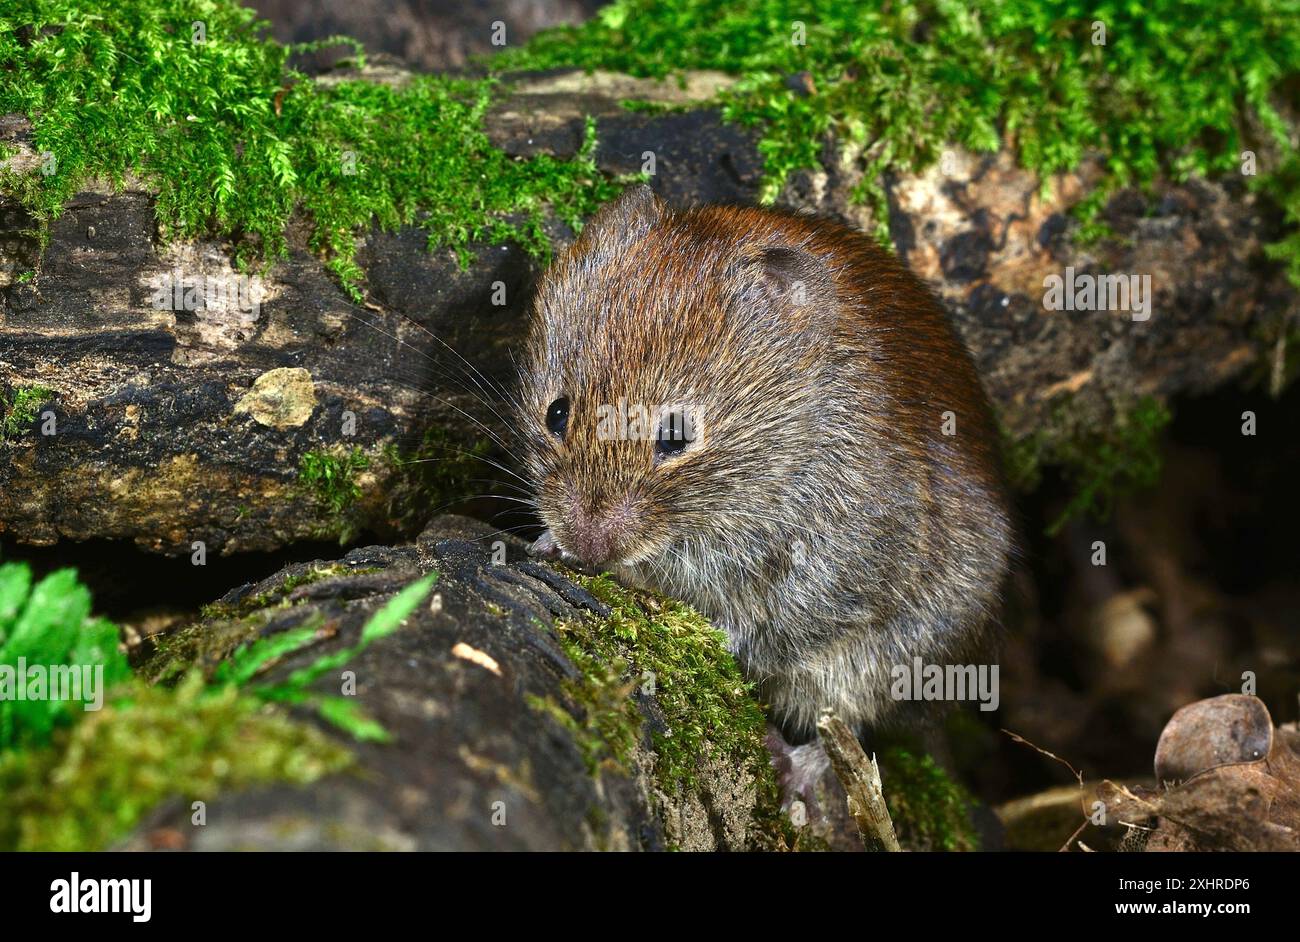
(823, 519)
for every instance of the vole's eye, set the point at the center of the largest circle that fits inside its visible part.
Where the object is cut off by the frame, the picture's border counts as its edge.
(557, 416)
(674, 433)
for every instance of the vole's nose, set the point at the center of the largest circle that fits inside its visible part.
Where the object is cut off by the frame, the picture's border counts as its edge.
(596, 537)
(593, 547)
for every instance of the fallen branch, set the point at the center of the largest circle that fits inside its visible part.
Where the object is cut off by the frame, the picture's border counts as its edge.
(860, 777)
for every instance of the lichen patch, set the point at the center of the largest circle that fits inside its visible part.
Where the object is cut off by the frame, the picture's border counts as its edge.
(282, 398)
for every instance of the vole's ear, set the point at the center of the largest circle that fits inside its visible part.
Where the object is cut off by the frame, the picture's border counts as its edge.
(624, 220)
(784, 286)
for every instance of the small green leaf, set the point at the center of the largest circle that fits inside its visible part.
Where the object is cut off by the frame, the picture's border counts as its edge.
(348, 716)
(51, 627)
(15, 584)
(247, 661)
(389, 618)
(47, 629)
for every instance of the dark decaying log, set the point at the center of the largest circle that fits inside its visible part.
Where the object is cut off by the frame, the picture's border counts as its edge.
(473, 764)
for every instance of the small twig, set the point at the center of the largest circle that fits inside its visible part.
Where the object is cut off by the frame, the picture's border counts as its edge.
(1125, 792)
(860, 777)
(1051, 755)
(1075, 772)
(1071, 839)
(1277, 379)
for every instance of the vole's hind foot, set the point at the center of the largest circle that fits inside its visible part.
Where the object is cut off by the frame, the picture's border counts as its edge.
(799, 769)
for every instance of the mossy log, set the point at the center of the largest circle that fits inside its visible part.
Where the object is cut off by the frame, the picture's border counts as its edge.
(496, 739)
(250, 430)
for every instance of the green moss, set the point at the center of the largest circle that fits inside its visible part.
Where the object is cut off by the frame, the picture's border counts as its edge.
(1110, 460)
(203, 644)
(246, 665)
(930, 811)
(1282, 185)
(235, 141)
(25, 189)
(279, 595)
(1100, 461)
(320, 574)
(76, 779)
(24, 405)
(644, 106)
(1022, 459)
(100, 777)
(607, 726)
(706, 711)
(331, 476)
(403, 486)
(1171, 93)
(224, 626)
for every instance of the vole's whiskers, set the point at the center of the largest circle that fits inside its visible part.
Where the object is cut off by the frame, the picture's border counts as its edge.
(469, 454)
(505, 497)
(469, 368)
(504, 484)
(488, 536)
(481, 396)
(460, 500)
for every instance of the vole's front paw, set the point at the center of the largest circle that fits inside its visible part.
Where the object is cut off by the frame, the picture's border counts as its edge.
(545, 546)
(798, 771)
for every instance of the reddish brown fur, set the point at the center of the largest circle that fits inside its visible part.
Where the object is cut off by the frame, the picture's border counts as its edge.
(824, 521)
